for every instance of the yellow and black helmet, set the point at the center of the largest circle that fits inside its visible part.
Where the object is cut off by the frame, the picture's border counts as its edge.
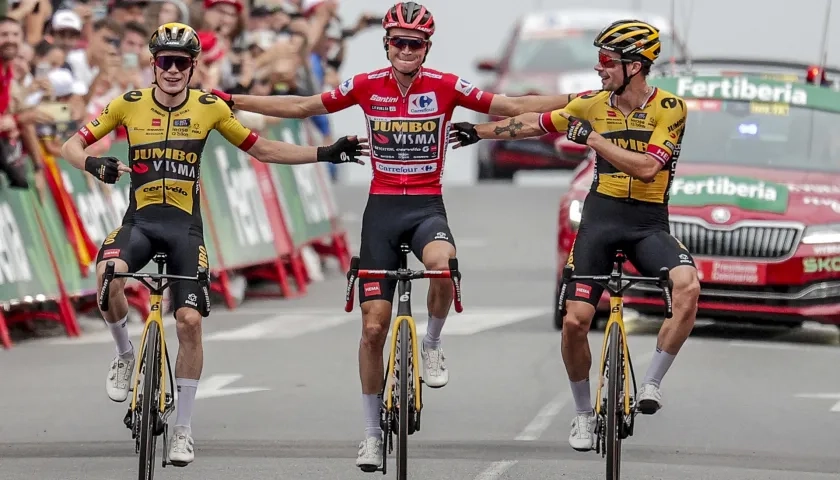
(175, 36)
(632, 39)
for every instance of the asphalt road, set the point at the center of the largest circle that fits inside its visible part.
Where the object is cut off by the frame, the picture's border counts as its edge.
(731, 405)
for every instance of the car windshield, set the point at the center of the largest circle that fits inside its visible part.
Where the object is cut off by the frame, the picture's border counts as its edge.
(761, 134)
(559, 51)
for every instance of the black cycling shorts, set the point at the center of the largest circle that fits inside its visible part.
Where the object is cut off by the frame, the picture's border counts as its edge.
(640, 230)
(390, 220)
(136, 242)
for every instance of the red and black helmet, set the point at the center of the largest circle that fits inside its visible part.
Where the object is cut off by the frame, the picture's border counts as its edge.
(411, 16)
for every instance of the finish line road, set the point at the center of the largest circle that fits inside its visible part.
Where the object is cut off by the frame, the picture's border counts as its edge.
(279, 396)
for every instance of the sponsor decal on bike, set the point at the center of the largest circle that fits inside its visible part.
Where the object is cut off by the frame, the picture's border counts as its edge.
(742, 192)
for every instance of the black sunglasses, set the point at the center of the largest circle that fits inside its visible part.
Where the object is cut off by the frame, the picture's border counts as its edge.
(412, 43)
(165, 62)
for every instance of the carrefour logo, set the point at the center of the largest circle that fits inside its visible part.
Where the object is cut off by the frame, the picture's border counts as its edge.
(742, 88)
(422, 103)
(406, 169)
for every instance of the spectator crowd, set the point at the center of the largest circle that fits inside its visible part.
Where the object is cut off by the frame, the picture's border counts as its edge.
(62, 61)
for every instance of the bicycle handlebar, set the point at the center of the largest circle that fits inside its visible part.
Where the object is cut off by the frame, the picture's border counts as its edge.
(402, 274)
(663, 281)
(203, 278)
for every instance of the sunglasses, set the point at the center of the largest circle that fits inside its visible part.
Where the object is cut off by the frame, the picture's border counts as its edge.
(412, 43)
(165, 62)
(607, 61)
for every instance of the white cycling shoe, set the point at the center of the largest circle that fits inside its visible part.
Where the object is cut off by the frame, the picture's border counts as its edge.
(119, 378)
(181, 447)
(650, 399)
(370, 454)
(435, 373)
(582, 437)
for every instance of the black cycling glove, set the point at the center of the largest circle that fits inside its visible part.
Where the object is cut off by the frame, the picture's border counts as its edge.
(105, 169)
(464, 133)
(344, 150)
(579, 130)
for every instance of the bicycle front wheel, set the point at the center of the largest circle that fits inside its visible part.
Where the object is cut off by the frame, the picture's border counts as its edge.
(615, 405)
(149, 408)
(405, 366)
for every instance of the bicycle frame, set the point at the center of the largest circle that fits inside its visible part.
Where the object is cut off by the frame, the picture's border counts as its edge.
(616, 283)
(404, 319)
(616, 320)
(165, 400)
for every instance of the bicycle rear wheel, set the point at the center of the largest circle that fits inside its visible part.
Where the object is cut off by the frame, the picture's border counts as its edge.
(615, 405)
(404, 343)
(150, 404)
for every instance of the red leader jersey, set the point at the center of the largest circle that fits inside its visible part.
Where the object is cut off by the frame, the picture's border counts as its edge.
(409, 133)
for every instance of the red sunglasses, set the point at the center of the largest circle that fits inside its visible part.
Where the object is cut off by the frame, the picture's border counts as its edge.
(412, 43)
(607, 61)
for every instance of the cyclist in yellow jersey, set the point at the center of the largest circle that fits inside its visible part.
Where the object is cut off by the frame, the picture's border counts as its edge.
(635, 131)
(167, 127)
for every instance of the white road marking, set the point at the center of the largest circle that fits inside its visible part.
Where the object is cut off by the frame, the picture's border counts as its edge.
(542, 178)
(135, 330)
(478, 320)
(496, 470)
(823, 396)
(785, 346)
(282, 326)
(545, 416)
(290, 323)
(214, 386)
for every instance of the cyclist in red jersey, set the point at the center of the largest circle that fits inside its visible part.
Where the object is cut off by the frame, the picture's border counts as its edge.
(408, 110)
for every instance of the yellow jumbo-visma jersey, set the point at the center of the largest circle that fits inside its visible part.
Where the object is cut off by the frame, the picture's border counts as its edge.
(165, 145)
(656, 128)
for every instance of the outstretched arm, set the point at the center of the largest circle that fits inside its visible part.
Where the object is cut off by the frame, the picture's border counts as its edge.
(520, 126)
(345, 150)
(512, 106)
(283, 106)
(294, 106)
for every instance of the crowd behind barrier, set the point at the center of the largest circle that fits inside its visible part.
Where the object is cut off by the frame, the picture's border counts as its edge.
(64, 60)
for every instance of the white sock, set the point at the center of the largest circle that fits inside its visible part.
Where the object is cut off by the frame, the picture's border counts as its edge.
(433, 329)
(186, 397)
(120, 334)
(659, 366)
(372, 404)
(582, 396)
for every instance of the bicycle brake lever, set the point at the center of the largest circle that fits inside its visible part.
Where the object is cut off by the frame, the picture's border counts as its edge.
(455, 276)
(666, 285)
(106, 286)
(351, 280)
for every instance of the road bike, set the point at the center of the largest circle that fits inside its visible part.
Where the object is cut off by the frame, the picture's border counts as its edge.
(147, 416)
(402, 402)
(616, 411)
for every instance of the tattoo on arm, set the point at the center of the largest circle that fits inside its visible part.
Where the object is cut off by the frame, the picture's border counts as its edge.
(511, 127)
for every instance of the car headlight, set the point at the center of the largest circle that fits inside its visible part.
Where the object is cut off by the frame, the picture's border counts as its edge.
(575, 213)
(817, 234)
